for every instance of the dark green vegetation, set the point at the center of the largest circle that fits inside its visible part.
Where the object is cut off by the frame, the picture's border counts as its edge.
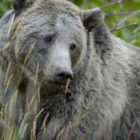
(124, 15)
(4, 6)
(123, 18)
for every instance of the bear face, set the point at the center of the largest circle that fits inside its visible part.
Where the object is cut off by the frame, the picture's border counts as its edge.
(56, 42)
(52, 41)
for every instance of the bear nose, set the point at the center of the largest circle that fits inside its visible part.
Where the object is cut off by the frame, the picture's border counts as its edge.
(63, 76)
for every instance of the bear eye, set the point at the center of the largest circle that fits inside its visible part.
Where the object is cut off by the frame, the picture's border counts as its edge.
(49, 38)
(73, 47)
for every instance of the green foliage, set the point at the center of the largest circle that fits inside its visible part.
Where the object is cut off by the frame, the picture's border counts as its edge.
(121, 17)
(4, 6)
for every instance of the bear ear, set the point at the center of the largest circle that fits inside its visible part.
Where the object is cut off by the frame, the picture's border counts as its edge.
(92, 18)
(19, 5)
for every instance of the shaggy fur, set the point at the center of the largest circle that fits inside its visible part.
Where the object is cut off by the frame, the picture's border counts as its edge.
(103, 98)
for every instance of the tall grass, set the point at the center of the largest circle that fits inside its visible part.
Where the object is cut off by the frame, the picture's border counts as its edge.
(11, 127)
(5, 5)
(21, 125)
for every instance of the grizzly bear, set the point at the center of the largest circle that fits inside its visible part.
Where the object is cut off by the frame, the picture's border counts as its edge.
(65, 76)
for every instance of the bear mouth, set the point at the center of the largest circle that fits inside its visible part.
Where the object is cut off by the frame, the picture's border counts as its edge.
(56, 85)
(52, 89)
(60, 84)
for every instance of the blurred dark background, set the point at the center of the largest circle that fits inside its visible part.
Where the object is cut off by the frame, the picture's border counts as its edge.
(122, 16)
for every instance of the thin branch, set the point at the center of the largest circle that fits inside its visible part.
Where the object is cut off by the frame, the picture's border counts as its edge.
(126, 18)
(125, 26)
(119, 14)
(134, 34)
(133, 125)
(72, 0)
(113, 3)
